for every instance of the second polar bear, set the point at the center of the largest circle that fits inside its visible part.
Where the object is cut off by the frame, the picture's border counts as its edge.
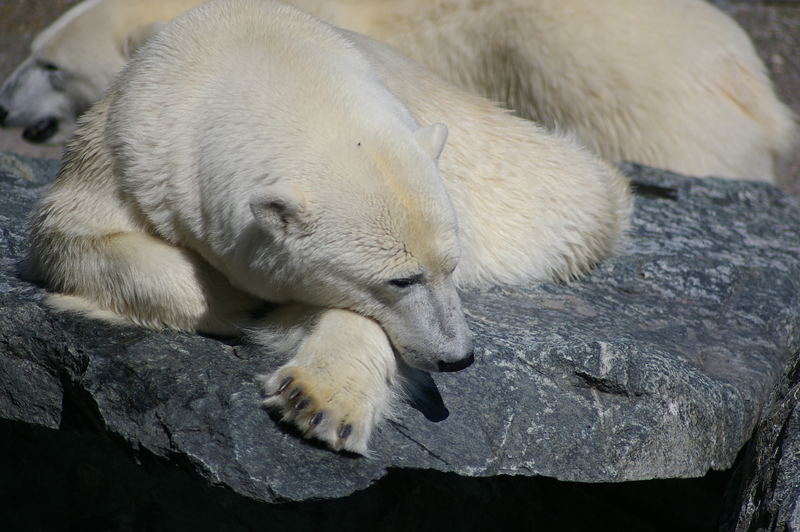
(251, 153)
(674, 84)
(73, 60)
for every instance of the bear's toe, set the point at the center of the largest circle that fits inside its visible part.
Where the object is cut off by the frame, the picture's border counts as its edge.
(319, 410)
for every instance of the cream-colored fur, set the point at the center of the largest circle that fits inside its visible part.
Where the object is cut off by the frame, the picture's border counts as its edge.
(73, 60)
(671, 83)
(674, 84)
(251, 153)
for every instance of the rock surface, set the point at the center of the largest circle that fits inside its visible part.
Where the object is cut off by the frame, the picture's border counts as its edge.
(764, 493)
(657, 365)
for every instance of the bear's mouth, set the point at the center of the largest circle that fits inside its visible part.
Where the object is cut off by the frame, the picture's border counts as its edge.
(458, 365)
(439, 366)
(41, 131)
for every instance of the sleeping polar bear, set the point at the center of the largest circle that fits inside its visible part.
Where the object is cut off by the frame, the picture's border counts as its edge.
(72, 62)
(252, 153)
(674, 84)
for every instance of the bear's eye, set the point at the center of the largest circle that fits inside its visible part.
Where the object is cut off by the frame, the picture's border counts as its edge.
(405, 282)
(50, 66)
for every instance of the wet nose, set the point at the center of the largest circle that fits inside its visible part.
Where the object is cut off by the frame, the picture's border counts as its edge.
(458, 364)
(3, 115)
(41, 130)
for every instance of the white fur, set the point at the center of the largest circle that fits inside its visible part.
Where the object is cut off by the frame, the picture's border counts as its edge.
(671, 83)
(62, 23)
(250, 153)
(674, 84)
(73, 60)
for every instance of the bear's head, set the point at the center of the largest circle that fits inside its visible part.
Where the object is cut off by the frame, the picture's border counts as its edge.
(70, 65)
(380, 238)
(44, 98)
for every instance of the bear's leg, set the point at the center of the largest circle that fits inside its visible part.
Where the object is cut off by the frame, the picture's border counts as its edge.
(90, 243)
(339, 383)
(140, 278)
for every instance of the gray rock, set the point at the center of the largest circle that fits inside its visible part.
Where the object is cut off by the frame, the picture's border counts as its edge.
(657, 365)
(765, 488)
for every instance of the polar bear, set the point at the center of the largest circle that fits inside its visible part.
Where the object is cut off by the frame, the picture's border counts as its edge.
(674, 84)
(72, 62)
(250, 153)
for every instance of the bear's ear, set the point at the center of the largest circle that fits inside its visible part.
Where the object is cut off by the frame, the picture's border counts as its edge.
(278, 210)
(138, 36)
(431, 139)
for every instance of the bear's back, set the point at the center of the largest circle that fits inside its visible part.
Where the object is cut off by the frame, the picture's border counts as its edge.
(237, 95)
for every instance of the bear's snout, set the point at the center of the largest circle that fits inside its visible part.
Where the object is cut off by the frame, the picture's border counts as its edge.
(458, 365)
(428, 329)
(42, 130)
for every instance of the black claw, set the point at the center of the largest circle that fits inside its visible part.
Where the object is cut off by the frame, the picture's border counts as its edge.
(345, 431)
(294, 394)
(286, 382)
(302, 404)
(317, 419)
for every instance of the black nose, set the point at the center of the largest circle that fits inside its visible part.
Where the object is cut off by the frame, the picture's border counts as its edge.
(3, 115)
(457, 365)
(41, 130)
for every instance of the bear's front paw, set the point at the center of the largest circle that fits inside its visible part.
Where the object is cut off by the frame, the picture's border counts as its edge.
(340, 412)
(338, 385)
